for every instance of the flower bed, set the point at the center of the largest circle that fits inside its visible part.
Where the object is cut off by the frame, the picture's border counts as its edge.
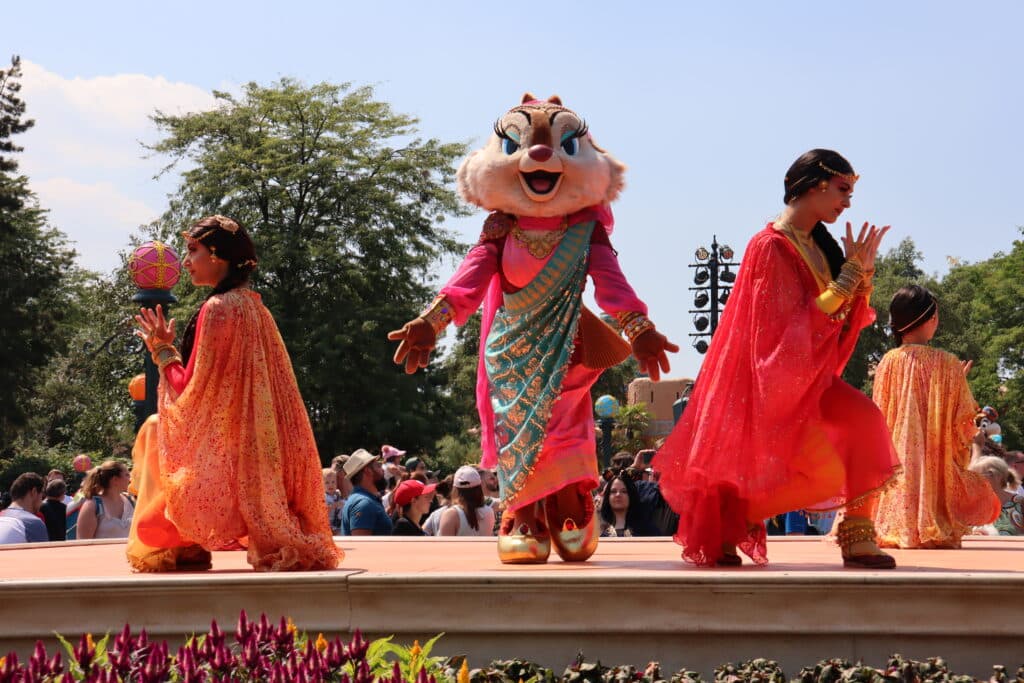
(279, 653)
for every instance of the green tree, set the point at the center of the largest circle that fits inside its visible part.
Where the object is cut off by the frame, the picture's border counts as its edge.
(896, 268)
(81, 398)
(615, 380)
(345, 206)
(981, 318)
(35, 266)
(630, 423)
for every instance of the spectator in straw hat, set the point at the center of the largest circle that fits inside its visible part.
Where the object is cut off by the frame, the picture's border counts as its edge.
(364, 514)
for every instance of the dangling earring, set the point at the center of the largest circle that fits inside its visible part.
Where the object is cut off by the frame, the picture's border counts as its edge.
(823, 185)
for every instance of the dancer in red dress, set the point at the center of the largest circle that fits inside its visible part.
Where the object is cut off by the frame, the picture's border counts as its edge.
(770, 426)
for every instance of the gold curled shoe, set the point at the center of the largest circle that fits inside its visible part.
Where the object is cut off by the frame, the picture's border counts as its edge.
(523, 547)
(855, 530)
(573, 543)
(194, 558)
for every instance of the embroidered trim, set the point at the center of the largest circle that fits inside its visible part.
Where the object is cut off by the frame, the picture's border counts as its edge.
(496, 226)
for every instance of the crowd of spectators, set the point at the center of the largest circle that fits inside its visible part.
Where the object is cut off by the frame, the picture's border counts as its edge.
(388, 494)
(41, 510)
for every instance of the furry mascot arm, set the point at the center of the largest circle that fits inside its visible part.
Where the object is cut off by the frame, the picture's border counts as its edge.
(651, 349)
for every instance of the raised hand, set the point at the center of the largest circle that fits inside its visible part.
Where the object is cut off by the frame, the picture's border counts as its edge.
(153, 328)
(650, 349)
(865, 247)
(966, 366)
(417, 339)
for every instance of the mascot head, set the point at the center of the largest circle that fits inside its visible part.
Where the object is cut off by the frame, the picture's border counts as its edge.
(985, 420)
(541, 161)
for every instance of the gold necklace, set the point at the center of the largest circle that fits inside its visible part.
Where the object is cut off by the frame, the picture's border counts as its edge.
(540, 243)
(809, 251)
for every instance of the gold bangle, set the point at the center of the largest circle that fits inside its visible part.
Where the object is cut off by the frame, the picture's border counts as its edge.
(165, 354)
(841, 290)
(439, 314)
(633, 324)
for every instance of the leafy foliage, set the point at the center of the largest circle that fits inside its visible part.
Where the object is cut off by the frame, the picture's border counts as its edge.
(344, 203)
(35, 269)
(261, 650)
(981, 318)
(630, 423)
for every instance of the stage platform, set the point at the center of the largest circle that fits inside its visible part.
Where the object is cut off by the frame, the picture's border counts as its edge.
(634, 601)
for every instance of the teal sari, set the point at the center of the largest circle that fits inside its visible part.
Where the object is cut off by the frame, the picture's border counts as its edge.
(527, 352)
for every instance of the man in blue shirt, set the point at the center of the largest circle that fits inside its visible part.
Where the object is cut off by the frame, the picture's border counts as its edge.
(20, 523)
(364, 514)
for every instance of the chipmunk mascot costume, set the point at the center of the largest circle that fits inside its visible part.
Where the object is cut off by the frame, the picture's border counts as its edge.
(547, 186)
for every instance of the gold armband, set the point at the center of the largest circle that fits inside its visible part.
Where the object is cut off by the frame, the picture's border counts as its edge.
(439, 314)
(841, 290)
(633, 324)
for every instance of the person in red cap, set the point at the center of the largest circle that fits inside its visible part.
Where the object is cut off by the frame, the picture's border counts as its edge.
(412, 502)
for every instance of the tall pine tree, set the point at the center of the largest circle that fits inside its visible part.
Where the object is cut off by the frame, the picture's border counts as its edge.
(34, 261)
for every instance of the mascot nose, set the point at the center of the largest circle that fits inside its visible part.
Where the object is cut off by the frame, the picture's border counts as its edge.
(541, 152)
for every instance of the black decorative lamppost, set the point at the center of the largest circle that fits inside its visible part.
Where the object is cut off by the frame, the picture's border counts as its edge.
(155, 268)
(714, 274)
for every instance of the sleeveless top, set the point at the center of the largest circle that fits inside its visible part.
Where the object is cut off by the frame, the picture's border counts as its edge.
(113, 527)
(484, 518)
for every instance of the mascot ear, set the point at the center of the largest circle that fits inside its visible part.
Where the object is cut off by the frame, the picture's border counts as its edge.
(527, 97)
(555, 99)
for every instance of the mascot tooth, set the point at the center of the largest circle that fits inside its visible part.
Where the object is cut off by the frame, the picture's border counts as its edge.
(548, 187)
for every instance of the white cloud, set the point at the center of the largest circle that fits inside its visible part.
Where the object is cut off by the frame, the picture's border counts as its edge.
(122, 101)
(84, 156)
(98, 217)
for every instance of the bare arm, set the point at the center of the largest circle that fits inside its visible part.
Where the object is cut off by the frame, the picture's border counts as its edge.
(449, 523)
(87, 521)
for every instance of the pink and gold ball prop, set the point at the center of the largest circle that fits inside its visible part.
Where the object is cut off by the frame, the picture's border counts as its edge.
(82, 463)
(154, 265)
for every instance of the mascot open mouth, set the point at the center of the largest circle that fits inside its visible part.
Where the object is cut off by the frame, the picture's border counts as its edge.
(541, 182)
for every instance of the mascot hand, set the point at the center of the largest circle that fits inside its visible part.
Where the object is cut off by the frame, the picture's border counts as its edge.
(650, 350)
(417, 341)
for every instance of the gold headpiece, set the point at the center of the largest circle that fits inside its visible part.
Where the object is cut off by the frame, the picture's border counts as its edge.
(250, 262)
(226, 223)
(851, 177)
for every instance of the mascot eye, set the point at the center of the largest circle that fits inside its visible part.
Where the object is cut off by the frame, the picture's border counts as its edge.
(571, 145)
(509, 146)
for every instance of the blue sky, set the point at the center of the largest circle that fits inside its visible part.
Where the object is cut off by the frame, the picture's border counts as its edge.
(706, 103)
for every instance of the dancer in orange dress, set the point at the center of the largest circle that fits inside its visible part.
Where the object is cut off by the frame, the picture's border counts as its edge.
(770, 426)
(924, 396)
(229, 460)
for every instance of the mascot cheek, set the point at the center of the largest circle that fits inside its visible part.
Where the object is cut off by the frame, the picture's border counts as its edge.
(464, 180)
(616, 179)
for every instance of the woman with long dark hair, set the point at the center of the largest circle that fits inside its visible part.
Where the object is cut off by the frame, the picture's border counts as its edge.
(468, 515)
(923, 393)
(229, 461)
(621, 511)
(770, 426)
